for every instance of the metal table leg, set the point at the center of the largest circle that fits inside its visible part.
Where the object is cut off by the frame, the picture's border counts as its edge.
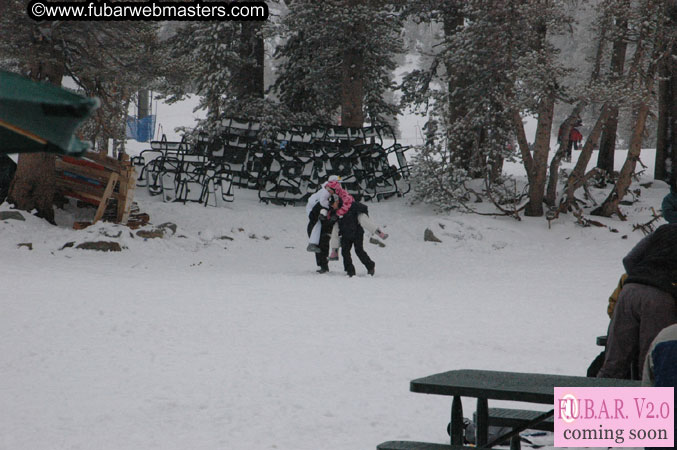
(456, 421)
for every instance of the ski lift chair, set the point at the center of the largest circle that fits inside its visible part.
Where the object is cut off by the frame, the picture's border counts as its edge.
(288, 192)
(220, 181)
(162, 176)
(193, 171)
(140, 163)
(372, 135)
(236, 157)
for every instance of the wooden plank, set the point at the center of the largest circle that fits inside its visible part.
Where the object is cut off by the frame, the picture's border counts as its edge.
(106, 195)
(96, 174)
(78, 186)
(92, 200)
(83, 179)
(78, 178)
(125, 194)
(128, 202)
(82, 162)
(107, 162)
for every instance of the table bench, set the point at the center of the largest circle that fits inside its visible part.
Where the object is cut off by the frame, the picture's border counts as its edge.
(485, 385)
(506, 417)
(411, 445)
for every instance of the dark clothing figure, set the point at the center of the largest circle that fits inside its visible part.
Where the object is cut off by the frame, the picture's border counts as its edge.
(321, 256)
(346, 247)
(669, 206)
(575, 138)
(653, 261)
(641, 312)
(660, 367)
(352, 234)
(646, 303)
(7, 171)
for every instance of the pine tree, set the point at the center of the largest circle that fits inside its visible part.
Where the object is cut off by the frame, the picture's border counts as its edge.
(495, 64)
(666, 142)
(338, 56)
(104, 59)
(223, 63)
(650, 29)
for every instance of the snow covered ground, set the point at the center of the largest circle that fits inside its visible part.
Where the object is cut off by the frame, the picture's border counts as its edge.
(222, 336)
(197, 341)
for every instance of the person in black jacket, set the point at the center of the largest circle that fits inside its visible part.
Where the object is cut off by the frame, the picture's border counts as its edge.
(669, 204)
(646, 304)
(7, 171)
(352, 234)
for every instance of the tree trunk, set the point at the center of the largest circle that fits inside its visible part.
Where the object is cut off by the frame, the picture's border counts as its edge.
(252, 50)
(578, 173)
(352, 72)
(523, 144)
(664, 119)
(540, 160)
(667, 115)
(551, 195)
(461, 147)
(671, 149)
(34, 183)
(144, 105)
(610, 205)
(495, 167)
(607, 146)
(352, 88)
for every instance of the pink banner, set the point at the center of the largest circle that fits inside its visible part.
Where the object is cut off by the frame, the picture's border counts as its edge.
(614, 417)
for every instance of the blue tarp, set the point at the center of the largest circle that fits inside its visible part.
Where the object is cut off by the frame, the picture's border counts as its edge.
(141, 129)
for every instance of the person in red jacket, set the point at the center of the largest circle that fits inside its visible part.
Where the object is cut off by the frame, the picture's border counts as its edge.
(575, 138)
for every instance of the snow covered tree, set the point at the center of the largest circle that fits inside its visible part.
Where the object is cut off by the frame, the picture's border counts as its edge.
(649, 30)
(495, 64)
(222, 62)
(615, 13)
(103, 58)
(338, 55)
(666, 142)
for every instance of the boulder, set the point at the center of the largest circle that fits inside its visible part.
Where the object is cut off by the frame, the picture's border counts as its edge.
(102, 246)
(429, 236)
(167, 226)
(151, 234)
(11, 215)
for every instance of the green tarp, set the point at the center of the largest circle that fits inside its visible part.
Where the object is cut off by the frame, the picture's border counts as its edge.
(40, 117)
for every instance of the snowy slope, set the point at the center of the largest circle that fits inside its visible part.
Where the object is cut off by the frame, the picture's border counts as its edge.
(222, 336)
(197, 341)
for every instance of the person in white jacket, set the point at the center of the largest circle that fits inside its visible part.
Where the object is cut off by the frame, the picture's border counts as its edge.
(313, 211)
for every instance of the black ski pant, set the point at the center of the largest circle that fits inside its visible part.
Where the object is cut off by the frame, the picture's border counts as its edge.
(346, 247)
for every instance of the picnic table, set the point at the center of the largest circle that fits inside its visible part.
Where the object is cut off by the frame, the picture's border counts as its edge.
(512, 386)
